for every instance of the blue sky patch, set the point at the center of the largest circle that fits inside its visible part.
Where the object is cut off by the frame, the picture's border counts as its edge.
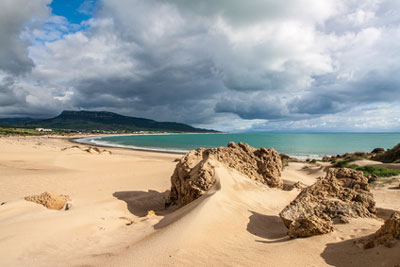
(75, 11)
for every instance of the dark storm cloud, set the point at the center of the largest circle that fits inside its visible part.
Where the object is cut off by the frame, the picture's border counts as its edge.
(174, 88)
(375, 87)
(253, 106)
(13, 18)
(8, 93)
(213, 62)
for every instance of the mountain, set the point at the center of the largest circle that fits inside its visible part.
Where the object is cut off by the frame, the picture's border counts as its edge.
(105, 121)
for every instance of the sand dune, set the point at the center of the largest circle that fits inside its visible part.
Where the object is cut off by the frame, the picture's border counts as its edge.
(234, 224)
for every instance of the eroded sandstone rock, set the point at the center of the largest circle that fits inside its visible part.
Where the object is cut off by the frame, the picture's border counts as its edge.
(49, 200)
(388, 235)
(194, 175)
(342, 194)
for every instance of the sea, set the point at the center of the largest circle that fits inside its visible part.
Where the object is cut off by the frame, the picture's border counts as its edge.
(299, 145)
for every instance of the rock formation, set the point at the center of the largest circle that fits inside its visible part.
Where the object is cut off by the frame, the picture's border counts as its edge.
(390, 155)
(378, 154)
(194, 175)
(49, 200)
(377, 150)
(388, 235)
(342, 194)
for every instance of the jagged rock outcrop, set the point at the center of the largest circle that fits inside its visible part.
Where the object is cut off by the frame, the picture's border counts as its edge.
(342, 194)
(388, 235)
(49, 200)
(379, 154)
(194, 175)
(390, 155)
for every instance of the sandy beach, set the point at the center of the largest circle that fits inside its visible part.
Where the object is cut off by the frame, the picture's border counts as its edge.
(118, 218)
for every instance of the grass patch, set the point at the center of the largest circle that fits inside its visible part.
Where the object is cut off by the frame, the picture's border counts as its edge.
(345, 163)
(375, 170)
(367, 170)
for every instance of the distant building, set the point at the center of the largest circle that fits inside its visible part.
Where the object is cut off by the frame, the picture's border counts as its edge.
(43, 130)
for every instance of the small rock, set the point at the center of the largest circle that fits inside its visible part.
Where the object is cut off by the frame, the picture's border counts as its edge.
(372, 178)
(49, 200)
(130, 221)
(325, 158)
(68, 206)
(151, 213)
(2, 203)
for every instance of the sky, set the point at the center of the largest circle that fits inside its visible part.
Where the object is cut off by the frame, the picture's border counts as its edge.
(230, 65)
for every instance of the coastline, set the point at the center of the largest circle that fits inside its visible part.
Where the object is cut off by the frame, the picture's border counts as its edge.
(183, 152)
(297, 145)
(81, 141)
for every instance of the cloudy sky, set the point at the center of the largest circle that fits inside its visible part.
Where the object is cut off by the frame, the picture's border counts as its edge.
(233, 65)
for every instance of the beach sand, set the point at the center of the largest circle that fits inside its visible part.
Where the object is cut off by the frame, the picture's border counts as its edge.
(118, 218)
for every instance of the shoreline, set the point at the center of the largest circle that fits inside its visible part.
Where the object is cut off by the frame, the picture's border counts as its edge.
(76, 141)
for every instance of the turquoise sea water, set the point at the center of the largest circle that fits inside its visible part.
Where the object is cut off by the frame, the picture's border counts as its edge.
(301, 145)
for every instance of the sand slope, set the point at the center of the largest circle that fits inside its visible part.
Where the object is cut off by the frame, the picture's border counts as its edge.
(236, 224)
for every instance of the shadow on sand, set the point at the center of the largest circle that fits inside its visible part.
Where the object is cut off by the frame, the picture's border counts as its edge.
(384, 213)
(268, 227)
(346, 253)
(140, 202)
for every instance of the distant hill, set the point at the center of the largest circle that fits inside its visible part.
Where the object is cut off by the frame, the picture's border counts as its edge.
(100, 120)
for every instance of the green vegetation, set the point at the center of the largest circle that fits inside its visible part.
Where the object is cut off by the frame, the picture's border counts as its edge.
(19, 131)
(345, 163)
(375, 170)
(367, 170)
